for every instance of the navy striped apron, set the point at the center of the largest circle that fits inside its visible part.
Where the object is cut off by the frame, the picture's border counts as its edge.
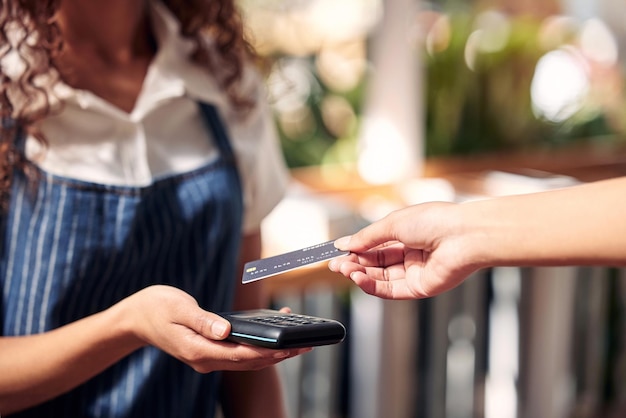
(72, 248)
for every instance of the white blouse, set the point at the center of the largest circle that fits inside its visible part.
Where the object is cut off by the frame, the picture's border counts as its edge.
(165, 134)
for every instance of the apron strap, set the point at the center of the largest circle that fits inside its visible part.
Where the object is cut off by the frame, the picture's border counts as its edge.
(216, 124)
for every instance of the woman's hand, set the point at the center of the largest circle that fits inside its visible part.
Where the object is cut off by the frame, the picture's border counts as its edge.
(170, 319)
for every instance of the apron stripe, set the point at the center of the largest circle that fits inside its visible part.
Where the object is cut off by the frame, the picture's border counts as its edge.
(36, 274)
(25, 274)
(75, 301)
(116, 262)
(53, 256)
(13, 237)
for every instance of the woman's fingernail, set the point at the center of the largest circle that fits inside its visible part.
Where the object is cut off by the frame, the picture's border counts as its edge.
(219, 328)
(342, 243)
(281, 354)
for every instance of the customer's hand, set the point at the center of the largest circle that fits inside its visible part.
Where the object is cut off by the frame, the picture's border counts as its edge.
(416, 252)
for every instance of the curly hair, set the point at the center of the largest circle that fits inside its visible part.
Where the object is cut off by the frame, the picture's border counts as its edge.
(30, 40)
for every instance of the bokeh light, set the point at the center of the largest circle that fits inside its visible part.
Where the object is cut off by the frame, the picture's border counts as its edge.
(598, 43)
(560, 85)
(384, 157)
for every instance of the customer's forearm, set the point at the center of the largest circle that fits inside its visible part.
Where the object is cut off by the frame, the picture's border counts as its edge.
(582, 225)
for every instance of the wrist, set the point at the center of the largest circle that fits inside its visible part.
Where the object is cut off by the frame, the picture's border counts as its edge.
(485, 234)
(122, 318)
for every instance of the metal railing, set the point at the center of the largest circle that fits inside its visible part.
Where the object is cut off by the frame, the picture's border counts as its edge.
(509, 342)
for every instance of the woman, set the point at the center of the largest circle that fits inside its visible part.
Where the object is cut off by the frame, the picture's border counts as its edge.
(137, 161)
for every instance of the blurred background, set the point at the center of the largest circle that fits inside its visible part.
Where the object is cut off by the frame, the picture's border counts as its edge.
(381, 104)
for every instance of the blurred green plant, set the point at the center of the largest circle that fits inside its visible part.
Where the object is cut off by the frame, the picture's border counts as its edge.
(477, 95)
(488, 107)
(322, 127)
(480, 109)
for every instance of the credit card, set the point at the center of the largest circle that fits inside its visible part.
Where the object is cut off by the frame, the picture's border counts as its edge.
(271, 266)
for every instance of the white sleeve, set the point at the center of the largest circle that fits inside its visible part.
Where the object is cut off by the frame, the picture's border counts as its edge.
(264, 174)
